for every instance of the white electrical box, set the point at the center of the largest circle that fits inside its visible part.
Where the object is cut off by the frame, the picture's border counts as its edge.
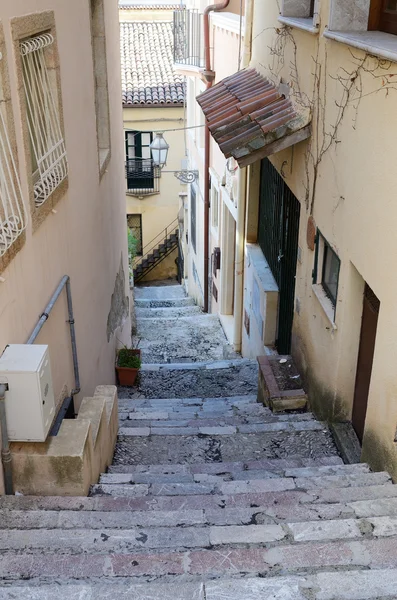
(30, 404)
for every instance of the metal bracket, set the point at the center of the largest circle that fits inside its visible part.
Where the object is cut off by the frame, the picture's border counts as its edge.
(186, 176)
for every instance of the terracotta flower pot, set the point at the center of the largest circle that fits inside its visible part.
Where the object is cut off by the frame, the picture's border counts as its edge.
(127, 375)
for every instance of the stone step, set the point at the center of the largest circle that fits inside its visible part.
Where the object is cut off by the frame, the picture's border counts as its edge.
(160, 292)
(209, 447)
(168, 384)
(247, 486)
(207, 365)
(123, 540)
(229, 475)
(203, 420)
(222, 475)
(164, 303)
(159, 403)
(168, 312)
(284, 426)
(276, 465)
(375, 500)
(328, 585)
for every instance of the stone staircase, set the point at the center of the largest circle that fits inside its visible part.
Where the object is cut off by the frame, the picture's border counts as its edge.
(210, 496)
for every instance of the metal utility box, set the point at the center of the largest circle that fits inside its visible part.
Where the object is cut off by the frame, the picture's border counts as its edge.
(30, 404)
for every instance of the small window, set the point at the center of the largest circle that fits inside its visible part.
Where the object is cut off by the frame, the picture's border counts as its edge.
(214, 206)
(193, 216)
(134, 223)
(302, 9)
(48, 152)
(101, 80)
(326, 268)
(142, 175)
(383, 16)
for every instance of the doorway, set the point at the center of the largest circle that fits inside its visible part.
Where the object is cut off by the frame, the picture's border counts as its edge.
(278, 230)
(369, 323)
(228, 254)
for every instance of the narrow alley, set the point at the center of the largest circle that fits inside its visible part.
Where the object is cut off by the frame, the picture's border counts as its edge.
(211, 496)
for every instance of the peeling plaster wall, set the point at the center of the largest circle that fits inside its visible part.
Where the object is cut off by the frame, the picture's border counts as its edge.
(86, 234)
(355, 210)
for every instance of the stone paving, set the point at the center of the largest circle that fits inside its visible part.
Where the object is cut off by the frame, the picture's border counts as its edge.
(211, 496)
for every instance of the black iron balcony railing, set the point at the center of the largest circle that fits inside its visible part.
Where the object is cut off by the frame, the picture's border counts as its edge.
(143, 176)
(188, 43)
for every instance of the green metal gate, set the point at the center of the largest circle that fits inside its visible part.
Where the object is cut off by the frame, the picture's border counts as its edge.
(279, 212)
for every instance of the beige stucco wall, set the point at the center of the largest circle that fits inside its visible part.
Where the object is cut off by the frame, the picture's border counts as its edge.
(353, 205)
(158, 210)
(85, 236)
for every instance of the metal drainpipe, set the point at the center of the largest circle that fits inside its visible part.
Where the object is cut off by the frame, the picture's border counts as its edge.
(207, 139)
(6, 458)
(65, 282)
(241, 207)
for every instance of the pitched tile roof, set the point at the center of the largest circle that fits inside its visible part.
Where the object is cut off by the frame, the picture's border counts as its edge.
(147, 71)
(247, 115)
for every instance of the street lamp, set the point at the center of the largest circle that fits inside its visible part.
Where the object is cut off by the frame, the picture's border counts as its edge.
(159, 149)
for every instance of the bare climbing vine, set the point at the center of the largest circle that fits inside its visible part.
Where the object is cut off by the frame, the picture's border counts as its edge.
(328, 111)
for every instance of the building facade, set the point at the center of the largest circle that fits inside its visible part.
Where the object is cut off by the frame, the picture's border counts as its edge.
(62, 206)
(318, 213)
(153, 101)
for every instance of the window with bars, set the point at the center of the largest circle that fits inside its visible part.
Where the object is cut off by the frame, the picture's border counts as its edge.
(134, 223)
(142, 175)
(48, 151)
(13, 218)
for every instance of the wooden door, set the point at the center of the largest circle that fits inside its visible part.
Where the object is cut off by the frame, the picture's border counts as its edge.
(366, 351)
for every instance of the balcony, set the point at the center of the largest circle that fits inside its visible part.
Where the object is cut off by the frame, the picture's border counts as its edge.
(188, 39)
(143, 177)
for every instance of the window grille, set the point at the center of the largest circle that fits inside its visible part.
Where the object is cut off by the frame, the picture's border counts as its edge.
(49, 162)
(13, 218)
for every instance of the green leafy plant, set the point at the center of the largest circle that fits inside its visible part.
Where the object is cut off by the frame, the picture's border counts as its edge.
(132, 245)
(126, 359)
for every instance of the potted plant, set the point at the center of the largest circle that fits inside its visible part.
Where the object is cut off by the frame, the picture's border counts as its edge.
(128, 363)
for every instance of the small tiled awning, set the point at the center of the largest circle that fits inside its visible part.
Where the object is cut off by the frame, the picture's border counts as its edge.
(249, 118)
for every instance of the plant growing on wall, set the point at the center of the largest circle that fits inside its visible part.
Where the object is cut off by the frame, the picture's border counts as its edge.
(132, 249)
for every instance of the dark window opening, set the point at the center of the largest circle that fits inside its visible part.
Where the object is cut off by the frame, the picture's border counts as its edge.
(140, 170)
(134, 223)
(383, 16)
(327, 263)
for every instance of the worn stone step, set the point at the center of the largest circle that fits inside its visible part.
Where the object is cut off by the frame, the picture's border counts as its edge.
(198, 365)
(159, 292)
(242, 486)
(123, 540)
(164, 303)
(167, 312)
(228, 475)
(277, 465)
(137, 405)
(238, 380)
(329, 585)
(203, 419)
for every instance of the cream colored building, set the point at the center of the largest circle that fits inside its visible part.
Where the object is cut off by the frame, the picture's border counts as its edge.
(318, 207)
(62, 206)
(153, 101)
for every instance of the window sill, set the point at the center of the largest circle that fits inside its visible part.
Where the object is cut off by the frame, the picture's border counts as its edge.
(141, 194)
(300, 23)
(326, 304)
(376, 43)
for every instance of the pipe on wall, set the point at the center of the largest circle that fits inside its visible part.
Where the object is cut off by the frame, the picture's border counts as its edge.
(65, 282)
(241, 207)
(207, 139)
(6, 458)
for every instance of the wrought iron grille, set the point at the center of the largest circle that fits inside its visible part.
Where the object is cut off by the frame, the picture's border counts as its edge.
(188, 46)
(143, 176)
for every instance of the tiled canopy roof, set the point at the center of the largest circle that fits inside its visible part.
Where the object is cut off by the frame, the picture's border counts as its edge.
(249, 118)
(147, 71)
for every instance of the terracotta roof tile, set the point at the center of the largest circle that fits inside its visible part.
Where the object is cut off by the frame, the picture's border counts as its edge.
(246, 114)
(147, 66)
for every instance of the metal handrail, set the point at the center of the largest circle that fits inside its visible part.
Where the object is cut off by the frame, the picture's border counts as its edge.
(160, 237)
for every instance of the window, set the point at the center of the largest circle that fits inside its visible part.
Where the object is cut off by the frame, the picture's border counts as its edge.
(101, 81)
(326, 270)
(134, 223)
(383, 16)
(47, 144)
(193, 216)
(214, 206)
(300, 13)
(12, 210)
(142, 175)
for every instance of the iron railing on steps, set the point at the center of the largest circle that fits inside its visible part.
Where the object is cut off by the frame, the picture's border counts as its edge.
(150, 248)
